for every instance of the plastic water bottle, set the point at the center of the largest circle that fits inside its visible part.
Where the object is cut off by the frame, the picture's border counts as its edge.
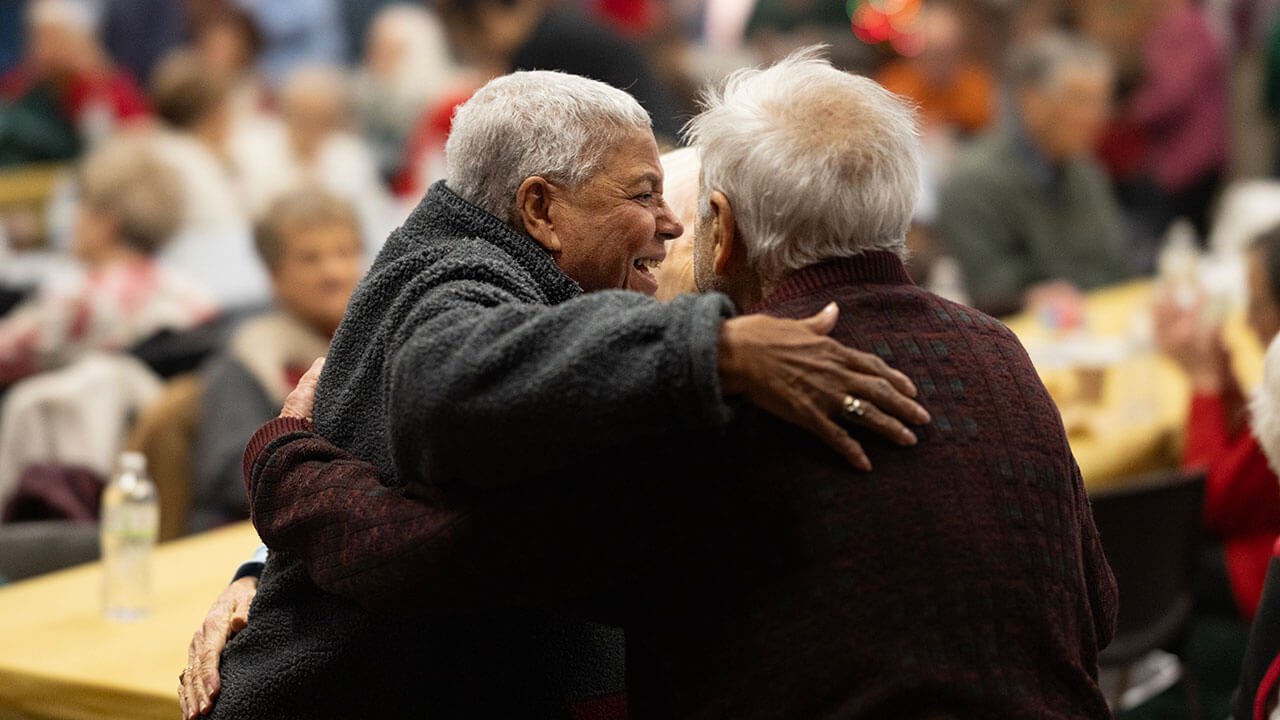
(130, 523)
(1177, 267)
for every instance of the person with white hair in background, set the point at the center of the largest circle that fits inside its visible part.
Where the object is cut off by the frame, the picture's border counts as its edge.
(130, 205)
(755, 574)
(70, 94)
(312, 143)
(492, 353)
(407, 68)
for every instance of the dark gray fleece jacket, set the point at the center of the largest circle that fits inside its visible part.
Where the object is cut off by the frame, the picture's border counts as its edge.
(467, 359)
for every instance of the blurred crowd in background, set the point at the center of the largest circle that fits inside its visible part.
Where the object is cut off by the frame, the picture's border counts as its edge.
(190, 190)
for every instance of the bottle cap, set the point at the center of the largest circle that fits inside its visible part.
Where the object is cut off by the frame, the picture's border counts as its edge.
(133, 462)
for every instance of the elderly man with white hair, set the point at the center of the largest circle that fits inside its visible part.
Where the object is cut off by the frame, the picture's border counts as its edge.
(473, 372)
(755, 574)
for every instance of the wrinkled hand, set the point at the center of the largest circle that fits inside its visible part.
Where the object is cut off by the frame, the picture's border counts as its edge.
(199, 684)
(303, 397)
(792, 370)
(1196, 345)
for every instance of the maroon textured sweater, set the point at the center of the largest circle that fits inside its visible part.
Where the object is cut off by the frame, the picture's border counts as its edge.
(756, 574)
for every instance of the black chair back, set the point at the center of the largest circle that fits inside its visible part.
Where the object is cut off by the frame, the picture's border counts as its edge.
(1150, 529)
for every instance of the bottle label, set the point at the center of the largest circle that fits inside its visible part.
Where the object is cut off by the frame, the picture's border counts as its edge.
(132, 523)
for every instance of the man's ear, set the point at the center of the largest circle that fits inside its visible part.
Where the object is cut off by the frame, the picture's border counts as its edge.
(533, 207)
(727, 250)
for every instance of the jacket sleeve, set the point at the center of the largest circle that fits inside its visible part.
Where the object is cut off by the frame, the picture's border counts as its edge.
(388, 551)
(482, 391)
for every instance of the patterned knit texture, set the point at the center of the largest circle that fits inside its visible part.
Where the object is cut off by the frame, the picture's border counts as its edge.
(756, 574)
(963, 577)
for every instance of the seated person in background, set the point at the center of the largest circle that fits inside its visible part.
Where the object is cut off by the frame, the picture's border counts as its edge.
(192, 101)
(1026, 210)
(500, 36)
(756, 574)
(405, 71)
(1242, 493)
(130, 204)
(312, 144)
(1180, 106)
(214, 243)
(310, 244)
(70, 93)
(954, 94)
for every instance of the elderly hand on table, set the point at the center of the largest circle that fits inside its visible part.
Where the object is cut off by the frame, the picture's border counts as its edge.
(199, 683)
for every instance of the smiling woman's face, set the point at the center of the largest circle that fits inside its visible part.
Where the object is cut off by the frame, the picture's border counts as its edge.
(613, 226)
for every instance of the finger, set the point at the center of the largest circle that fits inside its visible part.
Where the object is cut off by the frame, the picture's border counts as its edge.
(837, 438)
(188, 695)
(880, 422)
(207, 682)
(824, 321)
(885, 397)
(313, 372)
(872, 364)
(207, 686)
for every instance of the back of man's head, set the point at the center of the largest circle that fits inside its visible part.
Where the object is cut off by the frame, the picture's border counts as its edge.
(817, 163)
(549, 124)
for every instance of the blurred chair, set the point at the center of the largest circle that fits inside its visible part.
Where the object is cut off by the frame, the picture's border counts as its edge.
(24, 192)
(1150, 529)
(77, 415)
(33, 548)
(166, 433)
(170, 353)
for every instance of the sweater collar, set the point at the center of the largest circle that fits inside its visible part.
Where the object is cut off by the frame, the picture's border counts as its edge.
(873, 267)
(458, 217)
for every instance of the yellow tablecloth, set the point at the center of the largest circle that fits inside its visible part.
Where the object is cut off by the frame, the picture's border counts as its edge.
(59, 658)
(1137, 426)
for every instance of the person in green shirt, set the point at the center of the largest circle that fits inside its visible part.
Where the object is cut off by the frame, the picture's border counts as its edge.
(1026, 210)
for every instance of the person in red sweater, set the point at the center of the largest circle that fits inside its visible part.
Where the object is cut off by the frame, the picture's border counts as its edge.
(1242, 494)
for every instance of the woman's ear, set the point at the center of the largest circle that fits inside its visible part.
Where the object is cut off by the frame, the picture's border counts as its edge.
(533, 207)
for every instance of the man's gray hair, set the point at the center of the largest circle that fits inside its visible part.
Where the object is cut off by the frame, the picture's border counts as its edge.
(551, 124)
(817, 163)
(1039, 62)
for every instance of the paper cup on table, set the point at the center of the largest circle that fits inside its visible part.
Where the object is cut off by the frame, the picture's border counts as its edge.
(1093, 359)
